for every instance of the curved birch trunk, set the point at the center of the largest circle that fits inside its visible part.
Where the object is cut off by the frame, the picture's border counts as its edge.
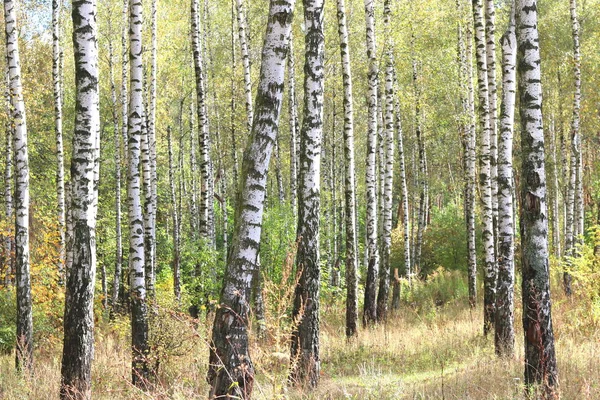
(540, 359)
(230, 370)
(306, 364)
(370, 303)
(504, 317)
(78, 350)
(139, 313)
(24, 353)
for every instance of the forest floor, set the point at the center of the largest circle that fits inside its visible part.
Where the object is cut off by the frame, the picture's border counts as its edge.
(427, 350)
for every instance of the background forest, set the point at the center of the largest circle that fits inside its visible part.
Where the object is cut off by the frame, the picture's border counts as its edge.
(431, 342)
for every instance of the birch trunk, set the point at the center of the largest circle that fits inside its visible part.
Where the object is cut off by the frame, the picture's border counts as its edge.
(540, 359)
(139, 313)
(555, 194)
(467, 127)
(241, 19)
(24, 353)
(234, 155)
(404, 200)
(294, 126)
(370, 303)
(490, 37)
(485, 168)
(117, 144)
(306, 364)
(78, 350)
(9, 244)
(422, 172)
(60, 168)
(504, 317)
(194, 173)
(152, 145)
(206, 199)
(147, 204)
(231, 371)
(388, 146)
(124, 78)
(176, 222)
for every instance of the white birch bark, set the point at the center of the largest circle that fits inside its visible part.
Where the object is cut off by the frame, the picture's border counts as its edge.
(294, 126)
(139, 314)
(24, 353)
(540, 359)
(230, 367)
(176, 222)
(370, 307)
(504, 317)
(241, 19)
(305, 370)
(60, 168)
(117, 144)
(485, 167)
(388, 146)
(8, 188)
(78, 350)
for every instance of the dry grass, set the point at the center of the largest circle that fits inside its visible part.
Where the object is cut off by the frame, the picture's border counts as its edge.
(433, 354)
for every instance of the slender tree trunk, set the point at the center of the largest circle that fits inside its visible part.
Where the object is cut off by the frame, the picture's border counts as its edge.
(370, 303)
(575, 192)
(9, 244)
(504, 317)
(467, 127)
(152, 144)
(231, 371)
(60, 171)
(294, 127)
(206, 200)
(422, 172)
(404, 200)
(278, 172)
(485, 169)
(234, 155)
(124, 78)
(194, 172)
(241, 19)
(175, 217)
(388, 145)
(147, 204)
(139, 313)
(24, 353)
(490, 38)
(306, 363)
(540, 359)
(78, 350)
(555, 193)
(117, 143)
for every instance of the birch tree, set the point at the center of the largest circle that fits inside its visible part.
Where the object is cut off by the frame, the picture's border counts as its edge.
(349, 188)
(306, 364)
(540, 359)
(241, 19)
(467, 127)
(78, 350)
(206, 199)
(388, 146)
(175, 218)
(117, 144)
(231, 372)
(24, 353)
(504, 317)
(575, 211)
(60, 168)
(8, 187)
(370, 303)
(485, 167)
(293, 122)
(139, 313)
